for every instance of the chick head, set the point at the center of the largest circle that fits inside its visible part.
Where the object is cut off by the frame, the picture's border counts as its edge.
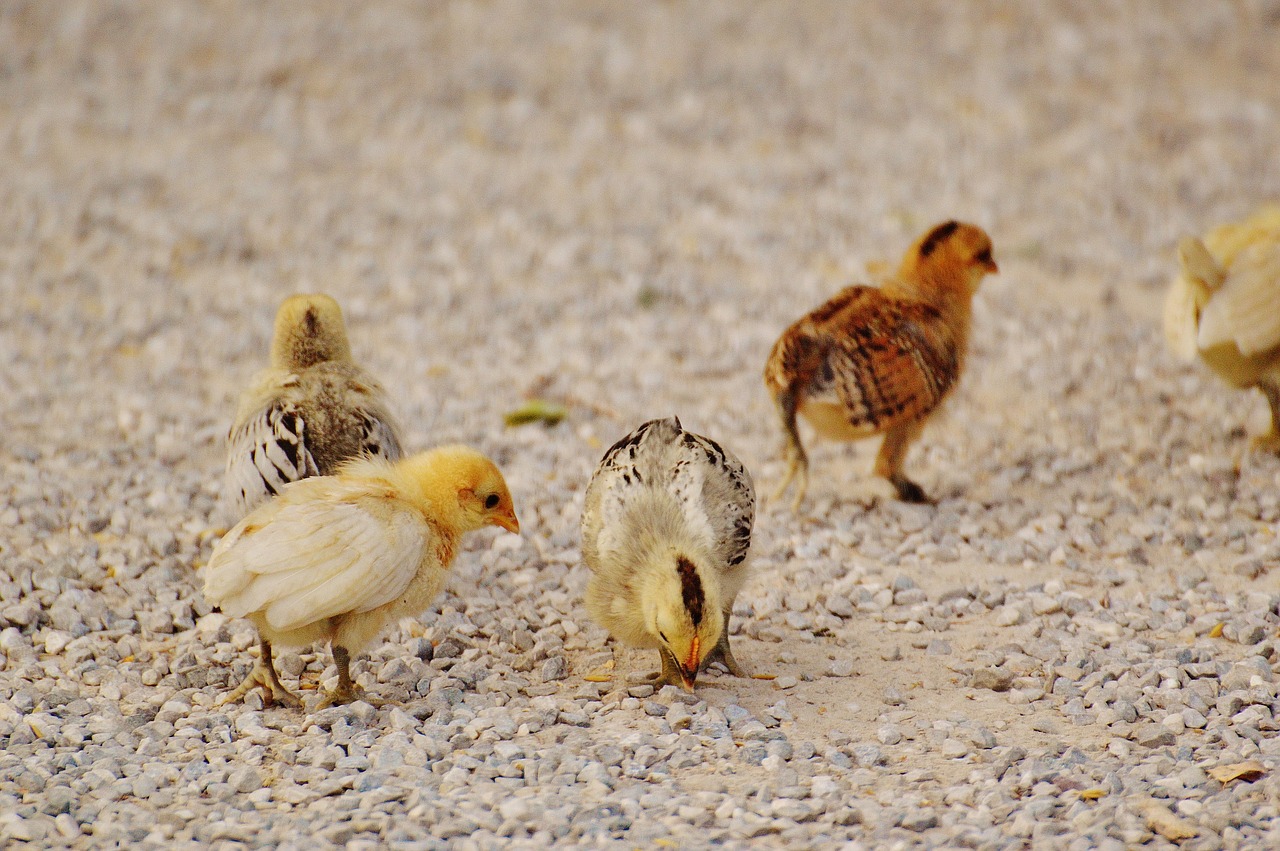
(466, 482)
(309, 330)
(948, 250)
(682, 613)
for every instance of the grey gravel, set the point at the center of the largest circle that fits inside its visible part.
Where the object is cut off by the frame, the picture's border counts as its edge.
(618, 208)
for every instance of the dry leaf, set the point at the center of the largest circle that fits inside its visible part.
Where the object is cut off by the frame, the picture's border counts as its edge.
(1216, 632)
(536, 411)
(1092, 794)
(764, 676)
(1250, 771)
(1162, 820)
(602, 674)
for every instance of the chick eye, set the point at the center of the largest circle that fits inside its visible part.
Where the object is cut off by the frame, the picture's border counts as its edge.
(491, 501)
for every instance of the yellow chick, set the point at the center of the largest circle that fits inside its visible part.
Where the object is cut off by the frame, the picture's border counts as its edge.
(881, 360)
(1224, 307)
(336, 558)
(309, 412)
(666, 527)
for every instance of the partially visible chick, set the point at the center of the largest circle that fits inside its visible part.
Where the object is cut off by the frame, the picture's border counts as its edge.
(665, 531)
(336, 558)
(1224, 307)
(881, 360)
(309, 412)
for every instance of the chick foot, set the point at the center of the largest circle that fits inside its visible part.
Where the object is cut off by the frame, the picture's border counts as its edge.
(273, 691)
(724, 655)
(340, 697)
(347, 691)
(670, 675)
(909, 491)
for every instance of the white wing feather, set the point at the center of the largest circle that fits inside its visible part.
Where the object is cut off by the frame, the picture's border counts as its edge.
(1246, 310)
(315, 559)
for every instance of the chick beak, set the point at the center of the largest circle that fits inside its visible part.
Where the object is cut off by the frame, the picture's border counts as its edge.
(689, 668)
(991, 267)
(507, 520)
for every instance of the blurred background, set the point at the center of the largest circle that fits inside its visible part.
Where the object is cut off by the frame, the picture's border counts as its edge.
(619, 203)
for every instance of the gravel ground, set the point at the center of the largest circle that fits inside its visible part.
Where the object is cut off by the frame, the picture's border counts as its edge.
(619, 207)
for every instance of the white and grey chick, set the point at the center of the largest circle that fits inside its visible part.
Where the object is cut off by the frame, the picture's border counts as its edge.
(308, 413)
(666, 529)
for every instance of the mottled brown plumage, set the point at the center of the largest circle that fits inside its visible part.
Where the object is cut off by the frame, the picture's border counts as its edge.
(881, 360)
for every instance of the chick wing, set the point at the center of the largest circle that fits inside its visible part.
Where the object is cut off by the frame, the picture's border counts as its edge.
(292, 426)
(1246, 309)
(880, 361)
(714, 490)
(327, 547)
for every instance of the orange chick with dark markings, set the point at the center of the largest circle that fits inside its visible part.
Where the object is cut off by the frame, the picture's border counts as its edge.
(881, 360)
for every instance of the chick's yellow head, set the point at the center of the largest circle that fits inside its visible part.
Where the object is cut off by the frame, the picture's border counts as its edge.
(682, 613)
(309, 329)
(468, 482)
(951, 251)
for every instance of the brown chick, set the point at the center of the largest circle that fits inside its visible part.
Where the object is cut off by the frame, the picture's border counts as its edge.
(312, 410)
(1222, 307)
(881, 360)
(336, 558)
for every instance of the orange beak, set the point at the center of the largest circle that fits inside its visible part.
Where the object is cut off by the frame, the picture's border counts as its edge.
(507, 520)
(991, 267)
(689, 669)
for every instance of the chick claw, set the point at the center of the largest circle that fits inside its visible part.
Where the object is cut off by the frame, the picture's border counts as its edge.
(340, 697)
(722, 654)
(272, 689)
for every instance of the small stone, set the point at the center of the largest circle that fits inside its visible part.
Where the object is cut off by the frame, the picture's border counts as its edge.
(1154, 736)
(840, 668)
(995, 679)
(555, 668)
(889, 735)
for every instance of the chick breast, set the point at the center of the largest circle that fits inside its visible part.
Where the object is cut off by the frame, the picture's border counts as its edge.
(325, 550)
(865, 362)
(708, 485)
(292, 425)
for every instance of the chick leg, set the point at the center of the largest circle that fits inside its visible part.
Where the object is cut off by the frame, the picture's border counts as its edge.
(1270, 442)
(893, 451)
(347, 691)
(722, 653)
(264, 675)
(797, 460)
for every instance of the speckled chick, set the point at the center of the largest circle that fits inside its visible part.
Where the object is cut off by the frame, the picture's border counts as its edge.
(666, 528)
(1224, 307)
(880, 360)
(336, 558)
(312, 410)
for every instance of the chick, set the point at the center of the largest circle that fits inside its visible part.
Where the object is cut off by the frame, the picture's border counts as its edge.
(1224, 307)
(309, 412)
(336, 558)
(666, 527)
(881, 360)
